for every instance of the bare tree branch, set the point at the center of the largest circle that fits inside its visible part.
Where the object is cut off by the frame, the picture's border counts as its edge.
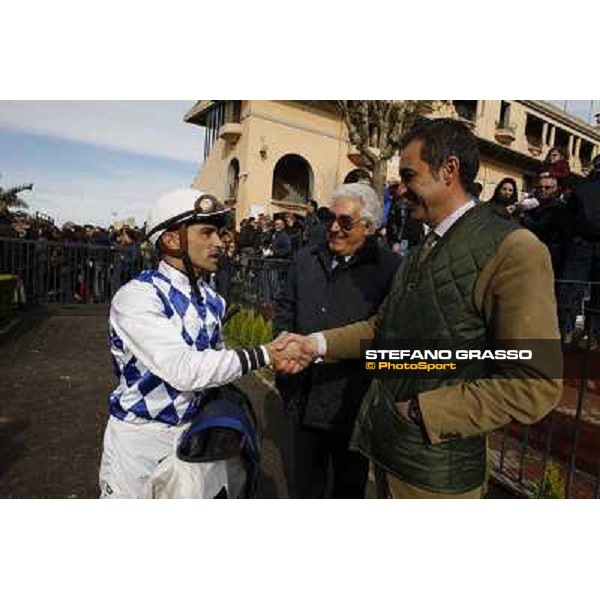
(376, 127)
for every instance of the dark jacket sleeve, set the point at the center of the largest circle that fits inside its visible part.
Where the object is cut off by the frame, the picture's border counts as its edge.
(285, 304)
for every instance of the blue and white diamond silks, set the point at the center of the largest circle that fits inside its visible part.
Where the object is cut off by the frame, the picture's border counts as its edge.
(160, 333)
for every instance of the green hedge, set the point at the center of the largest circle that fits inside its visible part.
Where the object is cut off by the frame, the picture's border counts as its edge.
(247, 329)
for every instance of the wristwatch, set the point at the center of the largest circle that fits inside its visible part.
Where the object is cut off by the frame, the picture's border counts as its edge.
(414, 412)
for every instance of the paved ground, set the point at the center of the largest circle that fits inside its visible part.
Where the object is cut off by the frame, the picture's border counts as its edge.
(55, 375)
(55, 380)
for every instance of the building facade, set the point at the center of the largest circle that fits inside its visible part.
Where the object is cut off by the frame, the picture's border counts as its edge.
(516, 135)
(267, 156)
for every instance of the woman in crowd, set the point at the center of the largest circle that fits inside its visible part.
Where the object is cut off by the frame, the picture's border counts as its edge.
(505, 198)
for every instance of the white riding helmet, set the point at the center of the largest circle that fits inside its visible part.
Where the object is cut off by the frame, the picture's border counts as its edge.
(183, 206)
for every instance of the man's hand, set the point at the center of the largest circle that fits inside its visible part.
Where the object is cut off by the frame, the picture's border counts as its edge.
(291, 353)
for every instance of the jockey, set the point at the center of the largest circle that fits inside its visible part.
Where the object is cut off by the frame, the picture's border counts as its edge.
(166, 345)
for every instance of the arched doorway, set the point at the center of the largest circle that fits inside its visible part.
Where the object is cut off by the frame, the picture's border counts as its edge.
(233, 179)
(292, 179)
(358, 175)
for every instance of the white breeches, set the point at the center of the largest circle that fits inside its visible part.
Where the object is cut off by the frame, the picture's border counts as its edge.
(139, 461)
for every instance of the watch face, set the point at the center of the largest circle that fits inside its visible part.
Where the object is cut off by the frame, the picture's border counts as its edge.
(413, 411)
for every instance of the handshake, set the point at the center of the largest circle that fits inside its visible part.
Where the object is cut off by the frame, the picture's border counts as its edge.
(291, 353)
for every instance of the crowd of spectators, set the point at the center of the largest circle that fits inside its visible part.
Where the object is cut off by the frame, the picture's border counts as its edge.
(21, 225)
(263, 244)
(72, 263)
(562, 210)
(277, 238)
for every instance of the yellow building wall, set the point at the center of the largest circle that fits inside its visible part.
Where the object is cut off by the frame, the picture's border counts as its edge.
(319, 136)
(489, 112)
(300, 114)
(279, 128)
(212, 178)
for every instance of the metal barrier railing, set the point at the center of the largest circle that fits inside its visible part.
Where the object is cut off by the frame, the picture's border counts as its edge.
(569, 437)
(59, 272)
(54, 272)
(256, 282)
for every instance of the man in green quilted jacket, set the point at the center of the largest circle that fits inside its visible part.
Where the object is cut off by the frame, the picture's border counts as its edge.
(476, 282)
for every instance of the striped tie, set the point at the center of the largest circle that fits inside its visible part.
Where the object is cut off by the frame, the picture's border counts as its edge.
(428, 243)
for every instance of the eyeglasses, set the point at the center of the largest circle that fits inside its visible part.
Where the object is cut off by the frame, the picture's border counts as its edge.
(545, 187)
(345, 222)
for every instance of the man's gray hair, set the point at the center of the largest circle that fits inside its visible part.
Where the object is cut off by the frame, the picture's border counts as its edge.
(371, 209)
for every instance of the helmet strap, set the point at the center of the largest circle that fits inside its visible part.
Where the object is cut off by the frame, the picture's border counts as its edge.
(168, 251)
(182, 254)
(187, 262)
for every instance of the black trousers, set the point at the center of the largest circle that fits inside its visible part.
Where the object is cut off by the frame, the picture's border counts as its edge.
(323, 466)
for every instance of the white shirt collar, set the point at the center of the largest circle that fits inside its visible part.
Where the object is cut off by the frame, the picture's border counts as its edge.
(443, 227)
(340, 260)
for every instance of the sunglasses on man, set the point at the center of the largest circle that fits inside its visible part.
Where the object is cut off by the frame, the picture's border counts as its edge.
(345, 222)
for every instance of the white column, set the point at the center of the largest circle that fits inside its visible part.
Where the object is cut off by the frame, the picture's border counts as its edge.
(575, 161)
